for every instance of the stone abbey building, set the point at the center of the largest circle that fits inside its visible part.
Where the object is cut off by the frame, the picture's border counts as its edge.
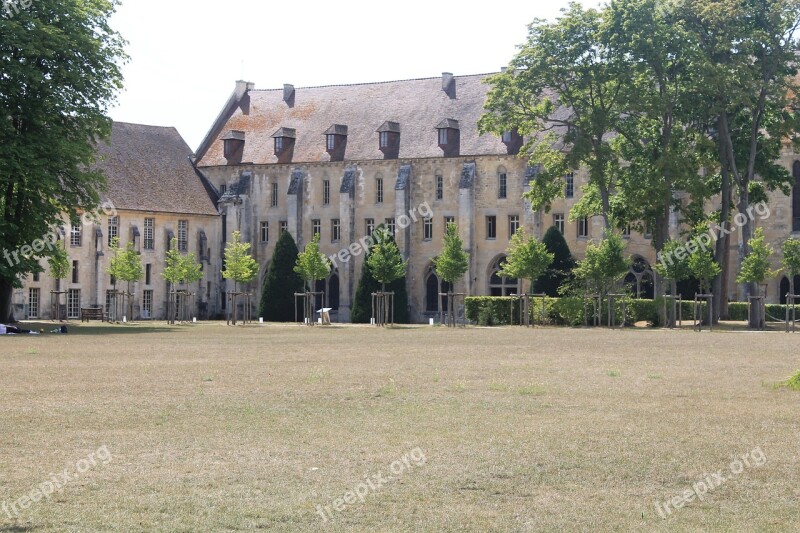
(339, 161)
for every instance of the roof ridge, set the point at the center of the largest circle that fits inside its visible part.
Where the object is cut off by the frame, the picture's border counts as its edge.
(374, 82)
(143, 125)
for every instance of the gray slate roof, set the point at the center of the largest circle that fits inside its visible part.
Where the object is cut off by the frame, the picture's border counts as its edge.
(148, 170)
(418, 106)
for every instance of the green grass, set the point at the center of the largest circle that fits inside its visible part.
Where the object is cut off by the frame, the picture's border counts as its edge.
(215, 428)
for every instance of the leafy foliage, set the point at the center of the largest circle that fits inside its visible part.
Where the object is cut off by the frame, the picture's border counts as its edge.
(361, 312)
(277, 296)
(603, 265)
(59, 261)
(526, 257)
(453, 262)
(756, 267)
(312, 264)
(385, 262)
(179, 268)
(239, 264)
(125, 264)
(674, 262)
(60, 64)
(703, 267)
(791, 260)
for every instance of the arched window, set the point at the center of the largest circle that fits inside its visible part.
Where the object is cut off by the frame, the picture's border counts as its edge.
(499, 285)
(796, 197)
(330, 286)
(785, 288)
(640, 278)
(434, 286)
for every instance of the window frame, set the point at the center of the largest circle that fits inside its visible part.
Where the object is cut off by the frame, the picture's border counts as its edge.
(427, 229)
(559, 222)
(502, 185)
(336, 230)
(513, 225)
(326, 192)
(149, 234)
(378, 190)
(263, 231)
(491, 227)
(274, 195)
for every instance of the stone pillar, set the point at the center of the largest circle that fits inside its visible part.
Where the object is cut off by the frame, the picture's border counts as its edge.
(347, 225)
(466, 220)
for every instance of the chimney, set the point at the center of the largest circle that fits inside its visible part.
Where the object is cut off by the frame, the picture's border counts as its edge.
(288, 94)
(243, 86)
(449, 84)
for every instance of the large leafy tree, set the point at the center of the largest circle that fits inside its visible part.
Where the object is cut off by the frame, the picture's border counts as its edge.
(282, 282)
(526, 258)
(564, 90)
(59, 74)
(560, 269)
(747, 72)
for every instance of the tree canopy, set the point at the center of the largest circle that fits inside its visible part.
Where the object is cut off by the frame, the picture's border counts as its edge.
(453, 262)
(60, 64)
(560, 269)
(312, 264)
(277, 295)
(385, 262)
(239, 264)
(603, 266)
(526, 258)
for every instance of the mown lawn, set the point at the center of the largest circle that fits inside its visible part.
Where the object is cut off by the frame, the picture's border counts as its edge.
(216, 428)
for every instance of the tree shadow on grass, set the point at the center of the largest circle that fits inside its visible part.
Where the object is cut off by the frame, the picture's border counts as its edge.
(106, 329)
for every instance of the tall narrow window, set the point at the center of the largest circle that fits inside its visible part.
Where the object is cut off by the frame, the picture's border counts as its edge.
(316, 227)
(558, 222)
(449, 220)
(583, 227)
(264, 230)
(326, 192)
(369, 226)
(183, 235)
(569, 189)
(390, 226)
(113, 229)
(75, 236)
(330, 142)
(74, 303)
(284, 226)
(336, 230)
(513, 225)
(442, 135)
(274, 195)
(76, 278)
(502, 185)
(379, 190)
(223, 189)
(148, 242)
(384, 139)
(33, 303)
(439, 187)
(427, 228)
(491, 227)
(148, 274)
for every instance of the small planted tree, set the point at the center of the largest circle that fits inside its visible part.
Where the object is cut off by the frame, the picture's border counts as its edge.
(704, 268)
(367, 284)
(59, 269)
(386, 265)
(311, 265)
(179, 270)
(125, 265)
(277, 296)
(528, 259)
(560, 270)
(673, 266)
(239, 265)
(451, 264)
(756, 268)
(603, 265)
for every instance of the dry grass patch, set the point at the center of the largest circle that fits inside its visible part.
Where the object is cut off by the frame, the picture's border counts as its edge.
(216, 428)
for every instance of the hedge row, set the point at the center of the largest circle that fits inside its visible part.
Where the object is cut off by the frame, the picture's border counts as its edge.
(500, 310)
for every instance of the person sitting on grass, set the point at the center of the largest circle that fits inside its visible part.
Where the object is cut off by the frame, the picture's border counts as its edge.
(13, 330)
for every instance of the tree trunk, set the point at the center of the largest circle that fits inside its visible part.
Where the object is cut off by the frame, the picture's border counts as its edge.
(720, 284)
(6, 296)
(747, 289)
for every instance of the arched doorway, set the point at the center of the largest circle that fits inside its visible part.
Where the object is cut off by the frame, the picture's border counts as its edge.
(330, 286)
(499, 285)
(434, 286)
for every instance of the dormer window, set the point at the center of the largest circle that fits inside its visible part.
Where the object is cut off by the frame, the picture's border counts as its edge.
(449, 137)
(513, 141)
(233, 146)
(284, 144)
(389, 139)
(336, 141)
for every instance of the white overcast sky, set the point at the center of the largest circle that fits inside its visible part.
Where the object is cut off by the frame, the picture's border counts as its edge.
(187, 55)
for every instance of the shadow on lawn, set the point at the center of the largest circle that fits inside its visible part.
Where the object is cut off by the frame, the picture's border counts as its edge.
(106, 329)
